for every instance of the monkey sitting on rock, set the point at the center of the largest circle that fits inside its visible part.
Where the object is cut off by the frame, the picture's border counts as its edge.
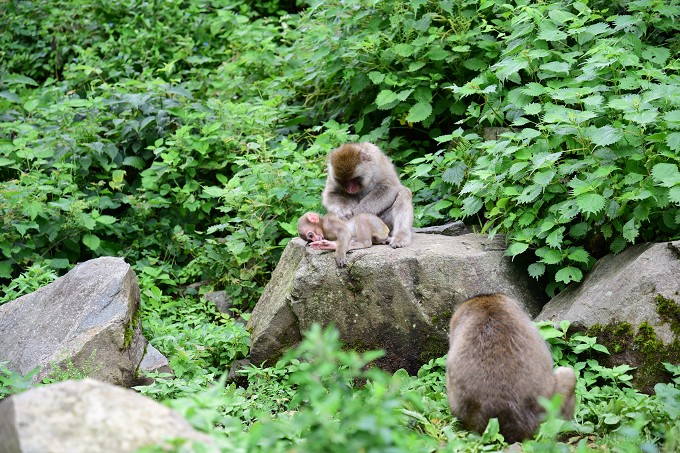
(330, 233)
(498, 366)
(362, 179)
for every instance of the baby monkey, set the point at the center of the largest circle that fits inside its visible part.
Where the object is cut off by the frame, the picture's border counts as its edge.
(497, 367)
(330, 233)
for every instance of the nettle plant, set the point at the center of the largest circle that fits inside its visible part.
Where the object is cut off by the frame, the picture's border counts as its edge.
(588, 162)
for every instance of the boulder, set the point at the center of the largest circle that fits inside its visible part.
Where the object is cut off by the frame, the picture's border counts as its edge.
(624, 288)
(448, 229)
(152, 362)
(87, 416)
(398, 300)
(87, 318)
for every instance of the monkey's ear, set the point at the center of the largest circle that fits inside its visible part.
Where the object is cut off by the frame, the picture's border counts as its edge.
(313, 217)
(365, 156)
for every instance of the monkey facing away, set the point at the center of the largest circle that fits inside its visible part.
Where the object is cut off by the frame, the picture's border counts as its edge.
(498, 365)
(361, 178)
(330, 233)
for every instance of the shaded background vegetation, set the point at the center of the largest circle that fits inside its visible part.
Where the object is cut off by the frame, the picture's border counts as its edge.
(187, 136)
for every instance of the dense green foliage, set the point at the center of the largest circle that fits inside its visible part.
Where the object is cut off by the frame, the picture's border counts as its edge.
(188, 135)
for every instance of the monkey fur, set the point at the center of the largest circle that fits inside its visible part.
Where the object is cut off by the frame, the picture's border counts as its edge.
(330, 233)
(362, 179)
(497, 367)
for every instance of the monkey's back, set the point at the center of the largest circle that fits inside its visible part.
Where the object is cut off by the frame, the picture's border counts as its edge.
(497, 366)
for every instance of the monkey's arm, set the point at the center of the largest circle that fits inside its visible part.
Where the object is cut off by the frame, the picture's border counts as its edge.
(338, 203)
(378, 200)
(323, 245)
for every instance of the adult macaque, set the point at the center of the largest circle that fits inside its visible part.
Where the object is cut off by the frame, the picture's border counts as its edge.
(330, 233)
(497, 367)
(362, 179)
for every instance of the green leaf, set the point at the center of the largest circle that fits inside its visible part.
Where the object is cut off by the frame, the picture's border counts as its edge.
(437, 53)
(569, 274)
(555, 238)
(630, 231)
(106, 219)
(532, 109)
(590, 203)
(419, 112)
(386, 97)
(403, 50)
(580, 256)
(516, 248)
(674, 194)
(604, 136)
(91, 241)
(509, 67)
(556, 66)
(536, 270)
(376, 77)
(666, 175)
(552, 256)
(644, 117)
(673, 141)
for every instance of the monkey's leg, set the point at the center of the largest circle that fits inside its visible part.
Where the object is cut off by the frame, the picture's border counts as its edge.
(565, 385)
(402, 214)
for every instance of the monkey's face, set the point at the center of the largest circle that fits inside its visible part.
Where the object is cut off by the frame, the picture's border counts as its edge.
(311, 234)
(352, 186)
(309, 227)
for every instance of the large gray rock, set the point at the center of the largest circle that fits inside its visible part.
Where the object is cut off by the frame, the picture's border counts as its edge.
(92, 309)
(399, 300)
(623, 288)
(86, 416)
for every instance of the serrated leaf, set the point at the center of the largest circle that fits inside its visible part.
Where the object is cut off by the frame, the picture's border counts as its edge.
(579, 255)
(569, 274)
(673, 141)
(471, 205)
(533, 89)
(533, 109)
(91, 241)
(643, 117)
(385, 97)
(554, 239)
(536, 270)
(516, 248)
(419, 112)
(437, 53)
(590, 203)
(376, 77)
(551, 34)
(630, 231)
(666, 175)
(106, 219)
(552, 256)
(604, 136)
(530, 193)
(674, 194)
(455, 174)
(403, 50)
(508, 67)
(555, 66)
(11, 97)
(134, 162)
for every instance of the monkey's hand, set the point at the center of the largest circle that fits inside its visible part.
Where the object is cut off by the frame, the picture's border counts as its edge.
(323, 244)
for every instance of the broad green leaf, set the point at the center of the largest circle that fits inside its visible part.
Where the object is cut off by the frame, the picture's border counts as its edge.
(536, 270)
(386, 97)
(666, 175)
(532, 109)
(106, 219)
(556, 66)
(31, 104)
(11, 97)
(376, 77)
(674, 194)
(604, 136)
(471, 205)
(530, 193)
(516, 248)
(455, 173)
(673, 141)
(590, 203)
(555, 238)
(5, 162)
(6, 269)
(643, 117)
(579, 255)
(419, 112)
(91, 241)
(437, 53)
(569, 274)
(508, 67)
(403, 50)
(552, 256)
(630, 231)
(533, 89)
(551, 34)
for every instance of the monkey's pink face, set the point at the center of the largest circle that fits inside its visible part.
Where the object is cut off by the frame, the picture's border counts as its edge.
(353, 185)
(311, 234)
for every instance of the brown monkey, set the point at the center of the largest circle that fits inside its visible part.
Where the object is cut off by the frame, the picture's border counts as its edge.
(330, 233)
(497, 367)
(362, 179)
